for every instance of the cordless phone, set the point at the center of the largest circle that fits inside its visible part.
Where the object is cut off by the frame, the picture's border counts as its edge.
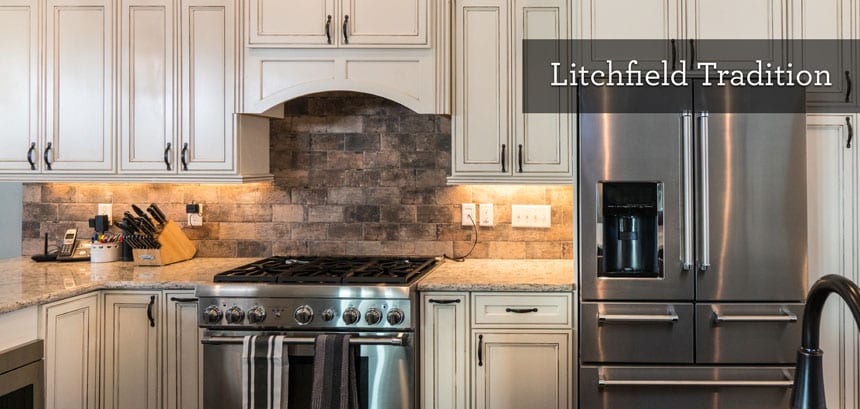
(73, 249)
(68, 243)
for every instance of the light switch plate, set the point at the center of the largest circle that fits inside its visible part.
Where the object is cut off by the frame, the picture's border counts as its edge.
(535, 216)
(467, 211)
(486, 215)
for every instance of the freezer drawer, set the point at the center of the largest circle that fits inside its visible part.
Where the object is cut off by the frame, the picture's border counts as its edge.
(636, 333)
(602, 387)
(748, 333)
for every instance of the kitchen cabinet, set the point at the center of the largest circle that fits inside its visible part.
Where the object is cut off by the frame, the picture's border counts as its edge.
(834, 222)
(70, 331)
(341, 23)
(183, 353)
(519, 351)
(79, 86)
(19, 73)
(444, 351)
(835, 21)
(131, 356)
(493, 140)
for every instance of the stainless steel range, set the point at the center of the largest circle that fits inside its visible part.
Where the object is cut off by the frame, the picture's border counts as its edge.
(371, 298)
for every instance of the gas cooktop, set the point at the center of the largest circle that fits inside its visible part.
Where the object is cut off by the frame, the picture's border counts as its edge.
(330, 270)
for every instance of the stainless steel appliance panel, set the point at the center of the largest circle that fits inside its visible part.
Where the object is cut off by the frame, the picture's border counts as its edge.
(747, 333)
(632, 148)
(22, 376)
(602, 387)
(752, 233)
(386, 377)
(636, 333)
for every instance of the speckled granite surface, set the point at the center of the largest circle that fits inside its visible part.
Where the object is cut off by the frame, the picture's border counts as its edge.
(24, 283)
(501, 275)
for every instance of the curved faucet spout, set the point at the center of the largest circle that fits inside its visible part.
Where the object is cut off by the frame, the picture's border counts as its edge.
(808, 390)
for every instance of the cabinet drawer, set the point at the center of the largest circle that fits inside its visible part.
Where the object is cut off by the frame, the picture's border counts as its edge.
(748, 333)
(499, 309)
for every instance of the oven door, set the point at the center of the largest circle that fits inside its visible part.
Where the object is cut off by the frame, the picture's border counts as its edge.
(385, 369)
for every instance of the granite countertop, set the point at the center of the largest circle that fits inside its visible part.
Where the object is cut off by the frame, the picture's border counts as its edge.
(24, 282)
(501, 275)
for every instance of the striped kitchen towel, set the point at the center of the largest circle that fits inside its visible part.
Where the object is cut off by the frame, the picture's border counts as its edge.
(335, 385)
(264, 372)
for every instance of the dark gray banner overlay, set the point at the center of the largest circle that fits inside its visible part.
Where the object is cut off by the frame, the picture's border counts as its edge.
(663, 76)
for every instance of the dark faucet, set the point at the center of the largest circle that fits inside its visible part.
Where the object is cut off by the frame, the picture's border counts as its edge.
(808, 390)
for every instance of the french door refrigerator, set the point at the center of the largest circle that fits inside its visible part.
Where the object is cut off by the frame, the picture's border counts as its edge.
(692, 250)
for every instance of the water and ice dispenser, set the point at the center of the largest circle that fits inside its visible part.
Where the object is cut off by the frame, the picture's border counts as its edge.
(630, 223)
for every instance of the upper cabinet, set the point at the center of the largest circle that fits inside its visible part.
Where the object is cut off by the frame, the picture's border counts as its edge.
(829, 20)
(338, 23)
(19, 23)
(494, 140)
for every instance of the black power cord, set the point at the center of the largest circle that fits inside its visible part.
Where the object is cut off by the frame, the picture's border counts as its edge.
(474, 243)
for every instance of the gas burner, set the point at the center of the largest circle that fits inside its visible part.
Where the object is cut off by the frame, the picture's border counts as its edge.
(330, 270)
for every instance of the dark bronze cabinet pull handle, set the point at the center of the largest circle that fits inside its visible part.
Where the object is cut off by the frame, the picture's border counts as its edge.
(692, 52)
(435, 301)
(674, 54)
(183, 156)
(328, 29)
(345, 24)
(149, 311)
(521, 310)
(45, 156)
(30, 156)
(850, 131)
(848, 86)
(167, 156)
(181, 299)
(480, 350)
(520, 158)
(503, 157)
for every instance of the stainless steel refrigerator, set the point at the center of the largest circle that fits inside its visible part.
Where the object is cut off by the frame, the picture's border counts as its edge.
(692, 251)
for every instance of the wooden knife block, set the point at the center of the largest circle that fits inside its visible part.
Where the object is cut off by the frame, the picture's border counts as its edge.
(175, 247)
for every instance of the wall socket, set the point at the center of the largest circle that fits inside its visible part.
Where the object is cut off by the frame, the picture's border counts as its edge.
(537, 216)
(107, 210)
(467, 215)
(195, 214)
(485, 218)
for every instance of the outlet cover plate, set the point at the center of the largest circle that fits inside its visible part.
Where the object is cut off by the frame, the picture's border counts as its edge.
(468, 209)
(485, 218)
(534, 216)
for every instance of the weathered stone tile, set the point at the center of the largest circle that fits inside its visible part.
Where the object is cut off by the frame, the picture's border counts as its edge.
(429, 178)
(397, 178)
(288, 213)
(30, 229)
(41, 212)
(32, 192)
(453, 195)
(398, 213)
(208, 231)
(253, 248)
(309, 231)
(361, 213)
(347, 195)
(541, 249)
(290, 247)
(243, 213)
(237, 231)
(438, 213)
(216, 248)
(345, 231)
(383, 124)
(76, 212)
(418, 159)
(417, 123)
(381, 159)
(416, 231)
(58, 193)
(326, 124)
(507, 249)
(327, 142)
(325, 214)
(362, 142)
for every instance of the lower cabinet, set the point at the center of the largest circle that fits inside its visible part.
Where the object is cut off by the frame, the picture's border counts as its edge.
(509, 361)
(123, 350)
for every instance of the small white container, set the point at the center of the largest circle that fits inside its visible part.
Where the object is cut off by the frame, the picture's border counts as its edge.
(105, 252)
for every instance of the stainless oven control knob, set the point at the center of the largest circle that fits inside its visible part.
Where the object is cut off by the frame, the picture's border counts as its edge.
(395, 316)
(235, 314)
(373, 316)
(351, 316)
(212, 314)
(304, 315)
(328, 314)
(256, 314)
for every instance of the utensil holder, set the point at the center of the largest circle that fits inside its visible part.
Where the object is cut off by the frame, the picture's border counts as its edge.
(175, 247)
(105, 252)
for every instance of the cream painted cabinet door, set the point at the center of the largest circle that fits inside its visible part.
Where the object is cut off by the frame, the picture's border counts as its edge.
(79, 91)
(832, 20)
(19, 85)
(131, 353)
(383, 22)
(832, 184)
(481, 89)
(71, 353)
(183, 363)
(528, 369)
(542, 141)
(292, 23)
(147, 111)
(208, 65)
(444, 352)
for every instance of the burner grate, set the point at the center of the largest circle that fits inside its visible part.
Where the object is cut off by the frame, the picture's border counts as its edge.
(330, 270)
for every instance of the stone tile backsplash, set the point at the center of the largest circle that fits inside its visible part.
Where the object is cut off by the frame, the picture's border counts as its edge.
(354, 175)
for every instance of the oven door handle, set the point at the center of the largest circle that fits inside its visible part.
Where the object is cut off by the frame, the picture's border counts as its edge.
(393, 341)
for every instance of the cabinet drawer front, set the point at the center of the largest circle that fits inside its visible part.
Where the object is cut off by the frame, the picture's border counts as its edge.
(521, 309)
(637, 333)
(748, 333)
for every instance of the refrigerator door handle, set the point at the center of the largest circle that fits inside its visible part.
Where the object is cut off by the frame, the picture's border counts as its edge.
(704, 210)
(687, 193)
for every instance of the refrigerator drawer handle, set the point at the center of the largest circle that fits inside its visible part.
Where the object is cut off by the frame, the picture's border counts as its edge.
(787, 317)
(687, 192)
(602, 382)
(637, 318)
(395, 341)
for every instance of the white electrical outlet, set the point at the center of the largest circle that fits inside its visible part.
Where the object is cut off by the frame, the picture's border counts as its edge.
(107, 210)
(467, 215)
(539, 216)
(196, 219)
(485, 218)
